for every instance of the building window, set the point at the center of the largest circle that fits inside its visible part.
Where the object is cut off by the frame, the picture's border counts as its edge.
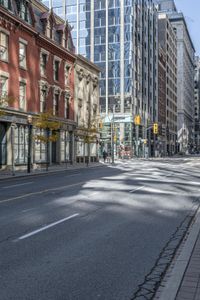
(56, 104)
(3, 87)
(3, 46)
(22, 95)
(40, 147)
(6, 3)
(65, 141)
(24, 11)
(67, 107)
(67, 71)
(21, 146)
(56, 70)
(22, 55)
(43, 95)
(43, 64)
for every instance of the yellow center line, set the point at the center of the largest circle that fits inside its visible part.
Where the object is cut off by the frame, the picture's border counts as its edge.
(42, 192)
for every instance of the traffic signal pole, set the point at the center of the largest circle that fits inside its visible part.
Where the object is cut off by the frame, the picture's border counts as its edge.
(155, 132)
(137, 138)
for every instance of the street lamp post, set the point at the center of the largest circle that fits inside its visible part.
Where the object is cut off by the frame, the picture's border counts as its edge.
(13, 125)
(112, 136)
(29, 122)
(47, 149)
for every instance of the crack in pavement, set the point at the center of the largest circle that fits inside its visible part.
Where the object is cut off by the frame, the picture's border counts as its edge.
(152, 281)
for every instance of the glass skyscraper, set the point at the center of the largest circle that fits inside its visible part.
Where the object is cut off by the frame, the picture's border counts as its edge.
(120, 36)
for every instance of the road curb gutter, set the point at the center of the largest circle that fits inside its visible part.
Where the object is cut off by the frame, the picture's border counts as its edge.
(44, 173)
(172, 285)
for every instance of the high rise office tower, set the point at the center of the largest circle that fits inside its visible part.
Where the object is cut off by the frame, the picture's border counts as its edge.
(197, 105)
(185, 75)
(162, 101)
(120, 36)
(168, 42)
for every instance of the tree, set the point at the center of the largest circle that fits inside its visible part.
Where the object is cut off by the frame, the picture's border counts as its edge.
(48, 130)
(5, 101)
(88, 132)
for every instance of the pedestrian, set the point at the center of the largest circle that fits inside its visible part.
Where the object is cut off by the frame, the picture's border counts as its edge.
(104, 155)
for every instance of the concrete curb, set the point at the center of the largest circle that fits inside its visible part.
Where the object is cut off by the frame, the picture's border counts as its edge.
(169, 292)
(46, 173)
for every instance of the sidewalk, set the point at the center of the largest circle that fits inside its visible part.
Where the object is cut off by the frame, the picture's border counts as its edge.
(6, 174)
(182, 282)
(190, 285)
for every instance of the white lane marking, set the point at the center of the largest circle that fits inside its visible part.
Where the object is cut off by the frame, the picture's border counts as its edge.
(46, 227)
(26, 210)
(42, 192)
(16, 185)
(72, 175)
(139, 188)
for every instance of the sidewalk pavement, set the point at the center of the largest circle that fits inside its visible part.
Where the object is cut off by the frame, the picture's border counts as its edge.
(182, 281)
(7, 174)
(190, 285)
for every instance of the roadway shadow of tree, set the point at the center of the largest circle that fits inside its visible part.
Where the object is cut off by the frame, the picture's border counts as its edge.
(120, 232)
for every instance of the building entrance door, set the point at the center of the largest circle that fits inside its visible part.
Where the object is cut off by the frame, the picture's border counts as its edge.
(3, 145)
(54, 153)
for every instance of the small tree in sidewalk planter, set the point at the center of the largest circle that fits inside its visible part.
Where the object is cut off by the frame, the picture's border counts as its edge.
(88, 132)
(48, 127)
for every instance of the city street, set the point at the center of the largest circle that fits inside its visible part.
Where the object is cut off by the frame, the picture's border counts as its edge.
(103, 233)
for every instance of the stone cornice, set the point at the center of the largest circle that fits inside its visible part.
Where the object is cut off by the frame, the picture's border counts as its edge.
(49, 45)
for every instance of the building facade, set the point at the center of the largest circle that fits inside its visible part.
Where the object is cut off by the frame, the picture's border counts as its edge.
(162, 102)
(86, 110)
(185, 75)
(37, 71)
(168, 41)
(196, 147)
(121, 38)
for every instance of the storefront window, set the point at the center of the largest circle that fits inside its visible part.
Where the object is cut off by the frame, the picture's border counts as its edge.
(40, 147)
(65, 141)
(21, 144)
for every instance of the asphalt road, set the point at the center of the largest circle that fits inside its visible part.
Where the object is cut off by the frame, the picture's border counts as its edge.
(92, 233)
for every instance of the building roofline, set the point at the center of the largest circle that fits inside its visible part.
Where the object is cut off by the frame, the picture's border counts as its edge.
(180, 17)
(32, 30)
(93, 65)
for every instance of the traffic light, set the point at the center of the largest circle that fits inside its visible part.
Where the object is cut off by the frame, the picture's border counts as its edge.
(155, 128)
(163, 130)
(137, 120)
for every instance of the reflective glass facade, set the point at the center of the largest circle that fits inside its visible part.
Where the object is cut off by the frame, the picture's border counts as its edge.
(100, 45)
(120, 36)
(114, 71)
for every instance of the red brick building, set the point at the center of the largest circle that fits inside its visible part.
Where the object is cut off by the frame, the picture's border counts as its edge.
(36, 70)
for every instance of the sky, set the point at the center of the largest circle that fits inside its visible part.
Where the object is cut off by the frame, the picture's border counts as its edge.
(191, 10)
